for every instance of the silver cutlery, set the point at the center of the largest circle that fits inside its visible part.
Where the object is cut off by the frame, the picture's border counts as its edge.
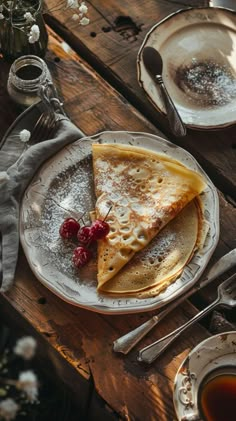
(125, 343)
(46, 124)
(154, 65)
(226, 298)
(44, 127)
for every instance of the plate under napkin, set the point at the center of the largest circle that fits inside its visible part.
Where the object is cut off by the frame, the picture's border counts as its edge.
(16, 172)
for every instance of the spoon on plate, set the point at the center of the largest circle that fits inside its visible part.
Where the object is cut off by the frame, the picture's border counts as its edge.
(154, 65)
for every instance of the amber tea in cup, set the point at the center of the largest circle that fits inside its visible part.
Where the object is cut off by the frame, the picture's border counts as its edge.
(217, 397)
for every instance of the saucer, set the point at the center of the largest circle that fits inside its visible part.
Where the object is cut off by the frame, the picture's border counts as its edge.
(214, 354)
(198, 48)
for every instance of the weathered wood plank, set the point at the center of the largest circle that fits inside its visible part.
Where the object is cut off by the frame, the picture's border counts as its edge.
(112, 49)
(82, 339)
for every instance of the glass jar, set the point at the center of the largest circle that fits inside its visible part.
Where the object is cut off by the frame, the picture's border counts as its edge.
(15, 29)
(26, 75)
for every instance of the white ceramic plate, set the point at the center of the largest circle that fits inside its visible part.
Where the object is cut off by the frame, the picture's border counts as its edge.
(215, 353)
(198, 47)
(65, 182)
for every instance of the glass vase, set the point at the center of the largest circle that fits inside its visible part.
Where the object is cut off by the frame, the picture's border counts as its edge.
(15, 29)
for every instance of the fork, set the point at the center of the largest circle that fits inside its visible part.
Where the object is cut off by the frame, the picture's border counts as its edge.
(44, 127)
(125, 343)
(226, 298)
(46, 123)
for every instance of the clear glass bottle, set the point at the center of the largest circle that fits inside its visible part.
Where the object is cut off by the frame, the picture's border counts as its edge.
(26, 74)
(14, 29)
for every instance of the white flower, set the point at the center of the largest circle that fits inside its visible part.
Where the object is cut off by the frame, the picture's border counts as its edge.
(83, 8)
(1, 16)
(25, 347)
(25, 135)
(84, 21)
(34, 34)
(1, 8)
(28, 383)
(75, 16)
(72, 4)
(28, 17)
(4, 176)
(8, 409)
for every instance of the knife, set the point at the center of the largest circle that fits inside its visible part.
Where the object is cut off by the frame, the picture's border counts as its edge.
(154, 65)
(125, 343)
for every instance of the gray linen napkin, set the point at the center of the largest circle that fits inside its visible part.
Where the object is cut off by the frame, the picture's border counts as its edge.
(14, 178)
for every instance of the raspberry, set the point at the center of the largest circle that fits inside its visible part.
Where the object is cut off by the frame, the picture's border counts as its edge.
(81, 256)
(99, 229)
(84, 235)
(69, 228)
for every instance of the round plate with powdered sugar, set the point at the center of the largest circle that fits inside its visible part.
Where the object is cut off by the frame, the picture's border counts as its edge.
(198, 48)
(64, 186)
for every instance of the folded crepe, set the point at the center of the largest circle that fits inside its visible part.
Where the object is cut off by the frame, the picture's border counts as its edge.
(142, 191)
(158, 265)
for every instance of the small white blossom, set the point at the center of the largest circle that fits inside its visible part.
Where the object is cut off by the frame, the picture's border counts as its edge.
(8, 409)
(4, 176)
(84, 21)
(28, 383)
(28, 17)
(34, 34)
(75, 16)
(1, 16)
(25, 347)
(25, 135)
(83, 8)
(1, 8)
(72, 4)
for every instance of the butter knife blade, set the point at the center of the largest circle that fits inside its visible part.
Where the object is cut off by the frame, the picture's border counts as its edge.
(125, 343)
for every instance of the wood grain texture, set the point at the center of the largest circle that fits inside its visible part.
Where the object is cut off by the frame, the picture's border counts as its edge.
(79, 342)
(110, 44)
(77, 338)
(84, 339)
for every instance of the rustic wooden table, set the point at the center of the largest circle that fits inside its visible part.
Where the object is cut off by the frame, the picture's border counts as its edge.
(96, 79)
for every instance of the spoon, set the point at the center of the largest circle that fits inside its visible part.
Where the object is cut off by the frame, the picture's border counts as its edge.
(154, 65)
(226, 297)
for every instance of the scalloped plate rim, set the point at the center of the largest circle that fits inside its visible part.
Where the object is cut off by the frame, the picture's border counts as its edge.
(189, 376)
(138, 61)
(141, 306)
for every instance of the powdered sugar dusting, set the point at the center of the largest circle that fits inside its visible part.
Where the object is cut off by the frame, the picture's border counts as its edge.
(211, 83)
(67, 180)
(69, 194)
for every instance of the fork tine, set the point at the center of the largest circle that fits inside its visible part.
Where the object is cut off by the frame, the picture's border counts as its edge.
(43, 127)
(43, 134)
(229, 284)
(37, 126)
(35, 134)
(51, 126)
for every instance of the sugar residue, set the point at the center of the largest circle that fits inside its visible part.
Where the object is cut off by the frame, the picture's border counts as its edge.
(207, 82)
(70, 190)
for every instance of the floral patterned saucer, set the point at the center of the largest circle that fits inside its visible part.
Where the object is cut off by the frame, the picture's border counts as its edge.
(213, 355)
